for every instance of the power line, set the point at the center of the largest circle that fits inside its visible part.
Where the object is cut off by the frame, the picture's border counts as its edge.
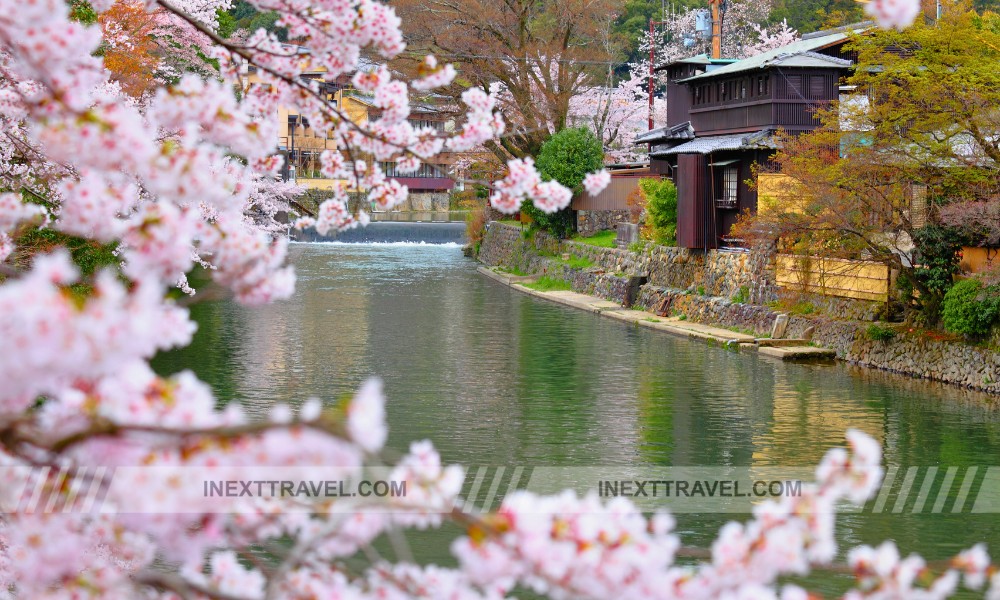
(519, 59)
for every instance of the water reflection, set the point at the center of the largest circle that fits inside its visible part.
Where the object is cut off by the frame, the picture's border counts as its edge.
(494, 377)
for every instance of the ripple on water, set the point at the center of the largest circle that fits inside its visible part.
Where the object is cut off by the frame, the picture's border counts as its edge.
(495, 377)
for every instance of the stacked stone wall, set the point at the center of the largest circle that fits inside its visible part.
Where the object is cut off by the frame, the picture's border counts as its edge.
(916, 353)
(591, 221)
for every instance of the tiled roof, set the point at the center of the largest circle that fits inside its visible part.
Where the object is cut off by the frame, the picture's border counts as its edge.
(739, 141)
(799, 53)
(683, 131)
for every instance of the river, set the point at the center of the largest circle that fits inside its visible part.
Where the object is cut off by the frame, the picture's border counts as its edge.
(498, 378)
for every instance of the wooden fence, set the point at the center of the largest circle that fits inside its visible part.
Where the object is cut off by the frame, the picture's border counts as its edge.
(862, 280)
(613, 197)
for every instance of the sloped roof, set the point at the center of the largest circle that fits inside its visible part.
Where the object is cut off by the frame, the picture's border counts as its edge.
(698, 59)
(683, 131)
(798, 53)
(762, 139)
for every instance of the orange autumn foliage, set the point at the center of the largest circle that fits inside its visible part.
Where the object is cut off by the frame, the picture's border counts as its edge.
(130, 50)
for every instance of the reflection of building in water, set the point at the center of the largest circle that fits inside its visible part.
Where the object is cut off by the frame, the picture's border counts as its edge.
(808, 416)
(289, 347)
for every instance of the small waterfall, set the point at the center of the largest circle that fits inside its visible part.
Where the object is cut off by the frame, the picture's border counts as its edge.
(387, 232)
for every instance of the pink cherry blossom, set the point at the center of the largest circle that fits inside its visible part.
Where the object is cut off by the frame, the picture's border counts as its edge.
(595, 182)
(366, 416)
(186, 176)
(897, 14)
(437, 76)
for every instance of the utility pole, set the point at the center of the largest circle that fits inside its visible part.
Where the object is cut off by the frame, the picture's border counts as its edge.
(716, 6)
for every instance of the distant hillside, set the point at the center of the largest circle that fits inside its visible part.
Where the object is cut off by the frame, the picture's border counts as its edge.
(242, 15)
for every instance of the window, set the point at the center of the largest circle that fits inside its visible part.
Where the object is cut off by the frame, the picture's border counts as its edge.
(817, 86)
(436, 125)
(730, 187)
(762, 85)
(743, 88)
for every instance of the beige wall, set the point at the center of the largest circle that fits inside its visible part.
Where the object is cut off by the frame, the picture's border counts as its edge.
(779, 192)
(833, 276)
(977, 260)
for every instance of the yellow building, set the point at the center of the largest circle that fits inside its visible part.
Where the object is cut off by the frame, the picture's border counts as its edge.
(303, 145)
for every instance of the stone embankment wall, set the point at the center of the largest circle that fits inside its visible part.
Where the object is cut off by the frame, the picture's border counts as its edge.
(506, 246)
(716, 273)
(425, 201)
(701, 286)
(592, 221)
(915, 353)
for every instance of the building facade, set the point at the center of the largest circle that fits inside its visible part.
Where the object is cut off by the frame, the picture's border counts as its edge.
(722, 120)
(302, 145)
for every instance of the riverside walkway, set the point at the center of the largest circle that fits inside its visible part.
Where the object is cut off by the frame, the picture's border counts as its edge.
(785, 349)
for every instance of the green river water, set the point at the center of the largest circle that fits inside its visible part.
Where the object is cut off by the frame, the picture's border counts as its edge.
(498, 378)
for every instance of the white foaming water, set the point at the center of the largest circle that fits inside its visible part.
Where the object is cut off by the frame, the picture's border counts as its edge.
(387, 244)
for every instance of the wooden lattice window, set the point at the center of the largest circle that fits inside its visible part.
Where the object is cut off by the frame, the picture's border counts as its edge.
(817, 86)
(730, 183)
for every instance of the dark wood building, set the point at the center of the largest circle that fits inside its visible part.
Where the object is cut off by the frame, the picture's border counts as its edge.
(722, 117)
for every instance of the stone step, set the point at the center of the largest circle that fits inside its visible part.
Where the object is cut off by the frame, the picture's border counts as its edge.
(797, 352)
(782, 342)
(506, 278)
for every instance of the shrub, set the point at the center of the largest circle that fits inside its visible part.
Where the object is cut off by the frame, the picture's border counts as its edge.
(970, 309)
(636, 203)
(742, 295)
(475, 226)
(880, 333)
(938, 263)
(661, 209)
(566, 157)
(87, 254)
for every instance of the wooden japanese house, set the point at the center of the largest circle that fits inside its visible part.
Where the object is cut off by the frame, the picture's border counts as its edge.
(722, 117)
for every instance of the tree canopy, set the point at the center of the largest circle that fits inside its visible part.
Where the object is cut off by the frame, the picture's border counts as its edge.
(567, 157)
(536, 55)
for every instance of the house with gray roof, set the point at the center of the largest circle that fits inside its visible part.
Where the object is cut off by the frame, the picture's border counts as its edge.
(721, 121)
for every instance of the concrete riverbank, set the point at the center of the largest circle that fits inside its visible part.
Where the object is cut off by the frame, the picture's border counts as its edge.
(781, 349)
(736, 292)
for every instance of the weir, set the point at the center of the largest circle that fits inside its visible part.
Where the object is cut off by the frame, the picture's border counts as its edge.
(448, 232)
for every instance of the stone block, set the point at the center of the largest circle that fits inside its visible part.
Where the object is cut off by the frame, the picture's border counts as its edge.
(780, 327)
